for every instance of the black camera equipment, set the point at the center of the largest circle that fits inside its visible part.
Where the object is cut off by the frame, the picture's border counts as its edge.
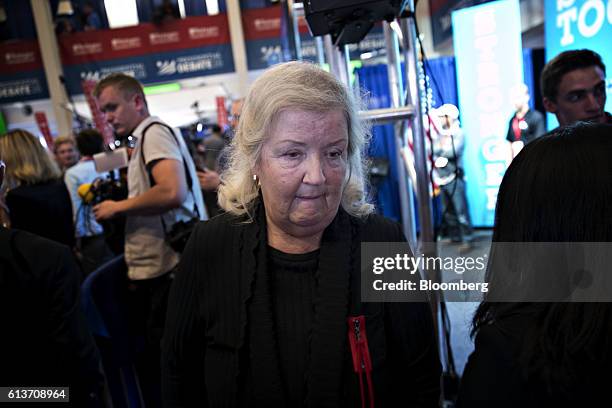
(108, 189)
(348, 21)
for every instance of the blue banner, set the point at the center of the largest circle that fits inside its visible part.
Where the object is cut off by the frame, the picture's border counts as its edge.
(24, 86)
(489, 62)
(155, 68)
(577, 24)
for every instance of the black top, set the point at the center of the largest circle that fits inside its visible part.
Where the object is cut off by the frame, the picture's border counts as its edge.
(496, 376)
(43, 209)
(45, 340)
(293, 290)
(221, 341)
(533, 127)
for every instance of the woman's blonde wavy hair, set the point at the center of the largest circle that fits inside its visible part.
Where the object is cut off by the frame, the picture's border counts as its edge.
(298, 85)
(27, 161)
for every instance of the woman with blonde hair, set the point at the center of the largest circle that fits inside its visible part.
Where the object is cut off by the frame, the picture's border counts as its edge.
(36, 197)
(266, 310)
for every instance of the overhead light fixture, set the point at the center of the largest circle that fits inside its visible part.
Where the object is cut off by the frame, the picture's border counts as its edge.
(64, 8)
(2, 13)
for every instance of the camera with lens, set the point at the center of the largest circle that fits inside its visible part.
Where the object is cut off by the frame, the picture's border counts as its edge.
(103, 189)
(109, 189)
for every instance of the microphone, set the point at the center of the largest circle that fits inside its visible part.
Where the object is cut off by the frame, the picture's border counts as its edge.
(85, 191)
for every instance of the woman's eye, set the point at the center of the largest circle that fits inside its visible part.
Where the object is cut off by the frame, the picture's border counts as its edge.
(335, 154)
(292, 154)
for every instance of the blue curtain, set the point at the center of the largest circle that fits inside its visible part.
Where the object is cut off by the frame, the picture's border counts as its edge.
(528, 76)
(253, 4)
(195, 8)
(20, 20)
(442, 80)
(222, 6)
(145, 10)
(373, 79)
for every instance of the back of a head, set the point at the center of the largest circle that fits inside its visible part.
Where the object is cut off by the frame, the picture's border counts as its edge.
(559, 188)
(563, 63)
(27, 162)
(89, 142)
(128, 85)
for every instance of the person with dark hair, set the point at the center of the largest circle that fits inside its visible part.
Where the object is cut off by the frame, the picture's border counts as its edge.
(45, 340)
(208, 176)
(167, 11)
(526, 124)
(90, 18)
(573, 86)
(162, 193)
(90, 243)
(534, 352)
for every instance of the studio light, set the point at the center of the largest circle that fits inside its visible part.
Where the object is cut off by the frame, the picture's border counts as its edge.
(64, 8)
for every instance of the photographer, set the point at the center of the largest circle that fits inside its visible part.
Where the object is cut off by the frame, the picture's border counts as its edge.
(90, 241)
(162, 194)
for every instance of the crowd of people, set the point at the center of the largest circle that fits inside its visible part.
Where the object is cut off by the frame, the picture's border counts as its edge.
(262, 305)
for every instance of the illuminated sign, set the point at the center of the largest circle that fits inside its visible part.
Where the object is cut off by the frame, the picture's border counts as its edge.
(489, 62)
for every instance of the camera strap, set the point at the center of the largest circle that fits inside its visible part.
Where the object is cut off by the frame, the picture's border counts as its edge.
(187, 173)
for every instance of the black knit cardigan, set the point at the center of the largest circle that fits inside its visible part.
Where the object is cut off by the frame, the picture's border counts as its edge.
(219, 347)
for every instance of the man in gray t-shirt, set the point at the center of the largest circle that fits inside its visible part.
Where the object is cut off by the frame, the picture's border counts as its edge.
(157, 181)
(158, 197)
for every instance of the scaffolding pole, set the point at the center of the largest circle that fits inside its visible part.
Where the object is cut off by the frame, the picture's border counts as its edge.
(396, 90)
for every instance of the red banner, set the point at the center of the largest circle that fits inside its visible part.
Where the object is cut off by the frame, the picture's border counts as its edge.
(144, 39)
(222, 120)
(98, 117)
(19, 56)
(266, 23)
(43, 126)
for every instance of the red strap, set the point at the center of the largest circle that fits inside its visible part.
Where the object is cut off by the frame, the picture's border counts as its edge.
(516, 129)
(360, 353)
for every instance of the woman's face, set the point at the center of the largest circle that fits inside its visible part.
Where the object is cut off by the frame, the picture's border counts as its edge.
(302, 169)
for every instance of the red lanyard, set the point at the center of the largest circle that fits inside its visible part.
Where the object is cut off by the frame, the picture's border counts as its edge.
(361, 356)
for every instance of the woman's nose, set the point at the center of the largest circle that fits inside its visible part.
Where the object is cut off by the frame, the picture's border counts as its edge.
(314, 171)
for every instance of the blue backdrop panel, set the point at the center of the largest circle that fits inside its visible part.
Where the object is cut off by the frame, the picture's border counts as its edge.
(487, 41)
(528, 76)
(23, 86)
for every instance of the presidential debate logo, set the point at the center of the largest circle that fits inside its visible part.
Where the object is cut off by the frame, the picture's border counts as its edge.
(190, 64)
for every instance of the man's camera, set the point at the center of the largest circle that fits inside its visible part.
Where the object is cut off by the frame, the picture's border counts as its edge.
(103, 189)
(109, 190)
